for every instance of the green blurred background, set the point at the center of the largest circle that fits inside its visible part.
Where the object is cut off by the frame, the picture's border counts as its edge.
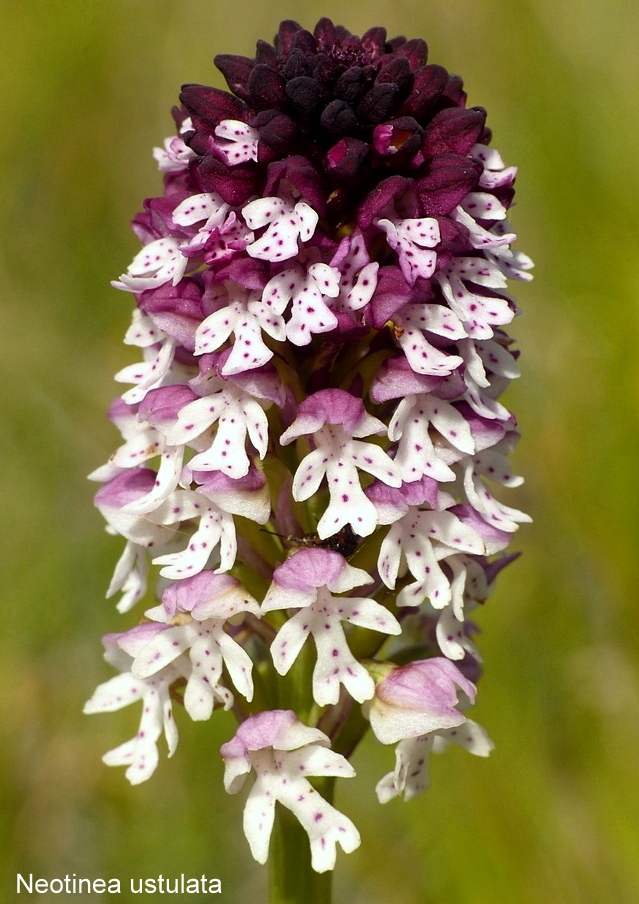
(553, 815)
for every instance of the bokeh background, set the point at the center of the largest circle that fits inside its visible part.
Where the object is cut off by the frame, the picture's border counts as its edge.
(553, 815)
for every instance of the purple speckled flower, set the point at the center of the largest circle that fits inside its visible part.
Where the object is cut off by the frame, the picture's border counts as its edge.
(321, 312)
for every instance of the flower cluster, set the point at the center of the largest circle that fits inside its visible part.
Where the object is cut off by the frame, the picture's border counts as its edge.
(312, 439)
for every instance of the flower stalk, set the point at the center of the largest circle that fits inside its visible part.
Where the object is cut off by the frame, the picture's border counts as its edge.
(313, 443)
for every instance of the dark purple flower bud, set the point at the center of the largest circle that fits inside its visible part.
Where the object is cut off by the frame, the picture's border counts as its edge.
(306, 94)
(415, 51)
(266, 88)
(344, 160)
(236, 70)
(283, 40)
(454, 131)
(278, 135)
(352, 83)
(235, 184)
(428, 85)
(339, 118)
(377, 103)
(209, 106)
(449, 180)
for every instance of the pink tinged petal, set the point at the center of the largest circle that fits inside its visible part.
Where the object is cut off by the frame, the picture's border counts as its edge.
(413, 240)
(418, 698)
(390, 503)
(174, 157)
(280, 729)
(112, 498)
(332, 406)
(309, 569)
(248, 496)
(263, 742)
(209, 595)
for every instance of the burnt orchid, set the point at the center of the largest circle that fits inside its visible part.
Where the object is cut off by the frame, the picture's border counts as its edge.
(312, 439)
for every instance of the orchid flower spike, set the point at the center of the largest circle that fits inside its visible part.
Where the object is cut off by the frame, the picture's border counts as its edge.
(315, 449)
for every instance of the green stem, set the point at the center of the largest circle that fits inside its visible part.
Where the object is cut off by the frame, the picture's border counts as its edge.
(292, 880)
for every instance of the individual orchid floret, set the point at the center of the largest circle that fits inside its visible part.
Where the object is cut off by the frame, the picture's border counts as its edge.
(175, 156)
(236, 141)
(358, 273)
(217, 499)
(410, 777)
(140, 754)
(239, 418)
(337, 420)
(413, 240)
(478, 312)
(413, 324)
(245, 316)
(284, 752)
(421, 540)
(416, 699)
(208, 601)
(411, 427)
(308, 581)
(288, 224)
(305, 290)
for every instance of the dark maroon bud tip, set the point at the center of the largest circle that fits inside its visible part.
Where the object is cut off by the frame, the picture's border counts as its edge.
(338, 118)
(236, 70)
(266, 88)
